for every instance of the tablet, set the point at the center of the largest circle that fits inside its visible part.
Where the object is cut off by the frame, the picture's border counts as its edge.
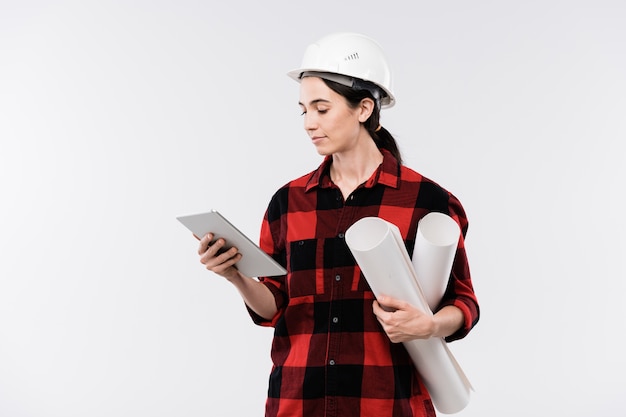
(254, 262)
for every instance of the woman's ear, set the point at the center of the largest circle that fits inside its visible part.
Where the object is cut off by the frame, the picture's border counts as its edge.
(366, 107)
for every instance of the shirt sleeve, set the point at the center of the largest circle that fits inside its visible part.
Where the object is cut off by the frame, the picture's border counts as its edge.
(272, 241)
(460, 290)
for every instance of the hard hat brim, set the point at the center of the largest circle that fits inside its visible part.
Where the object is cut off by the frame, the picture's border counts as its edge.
(296, 74)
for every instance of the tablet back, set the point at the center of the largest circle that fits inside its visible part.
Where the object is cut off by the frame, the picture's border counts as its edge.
(254, 262)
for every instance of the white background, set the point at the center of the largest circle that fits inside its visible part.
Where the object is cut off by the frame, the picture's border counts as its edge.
(117, 116)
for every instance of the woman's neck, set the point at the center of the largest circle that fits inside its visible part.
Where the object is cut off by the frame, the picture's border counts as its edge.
(353, 168)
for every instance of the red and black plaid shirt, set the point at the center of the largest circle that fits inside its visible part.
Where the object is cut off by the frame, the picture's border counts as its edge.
(330, 355)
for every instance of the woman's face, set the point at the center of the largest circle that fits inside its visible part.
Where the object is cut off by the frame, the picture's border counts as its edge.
(329, 121)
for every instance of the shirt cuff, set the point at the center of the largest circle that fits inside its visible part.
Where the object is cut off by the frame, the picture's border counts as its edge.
(467, 320)
(278, 298)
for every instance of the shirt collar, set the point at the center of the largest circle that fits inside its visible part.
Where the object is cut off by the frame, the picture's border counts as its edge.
(387, 173)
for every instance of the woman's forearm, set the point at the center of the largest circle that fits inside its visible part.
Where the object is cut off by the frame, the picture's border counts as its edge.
(256, 296)
(447, 321)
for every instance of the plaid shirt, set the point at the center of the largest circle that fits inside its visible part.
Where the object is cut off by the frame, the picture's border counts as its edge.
(330, 355)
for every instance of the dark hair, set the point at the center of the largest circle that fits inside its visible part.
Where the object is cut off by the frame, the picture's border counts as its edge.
(382, 137)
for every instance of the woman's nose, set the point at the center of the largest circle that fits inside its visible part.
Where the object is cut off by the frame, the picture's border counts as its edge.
(309, 122)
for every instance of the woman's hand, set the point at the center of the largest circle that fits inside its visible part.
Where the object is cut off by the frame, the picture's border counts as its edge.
(402, 321)
(217, 260)
(254, 293)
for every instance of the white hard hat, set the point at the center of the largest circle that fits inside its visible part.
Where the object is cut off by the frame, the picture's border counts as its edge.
(352, 55)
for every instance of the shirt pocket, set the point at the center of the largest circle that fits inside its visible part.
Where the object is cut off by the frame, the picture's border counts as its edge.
(305, 258)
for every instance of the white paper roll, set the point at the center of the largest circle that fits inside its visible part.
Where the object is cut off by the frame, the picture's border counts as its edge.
(378, 248)
(435, 247)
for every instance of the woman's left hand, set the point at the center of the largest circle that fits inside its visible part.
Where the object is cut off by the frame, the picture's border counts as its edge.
(402, 321)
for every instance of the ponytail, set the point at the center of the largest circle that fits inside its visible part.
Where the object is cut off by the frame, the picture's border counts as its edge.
(385, 140)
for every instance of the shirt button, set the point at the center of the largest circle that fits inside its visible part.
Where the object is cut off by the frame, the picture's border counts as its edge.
(341, 235)
(335, 320)
(301, 242)
(337, 277)
(331, 362)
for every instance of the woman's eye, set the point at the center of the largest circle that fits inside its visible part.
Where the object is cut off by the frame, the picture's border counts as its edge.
(320, 111)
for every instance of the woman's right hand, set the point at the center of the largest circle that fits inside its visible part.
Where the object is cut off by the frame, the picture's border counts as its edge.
(216, 260)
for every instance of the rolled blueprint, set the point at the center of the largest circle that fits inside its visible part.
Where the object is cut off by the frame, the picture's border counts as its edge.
(378, 248)
(435, 246)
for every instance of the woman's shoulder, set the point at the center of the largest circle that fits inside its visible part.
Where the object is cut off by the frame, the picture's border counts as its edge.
(291, 187)
(288, 196)
(426, 185)
(410, 175)
(434, 196)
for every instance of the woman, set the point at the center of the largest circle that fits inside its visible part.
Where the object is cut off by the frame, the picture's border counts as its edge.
(336, 349)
